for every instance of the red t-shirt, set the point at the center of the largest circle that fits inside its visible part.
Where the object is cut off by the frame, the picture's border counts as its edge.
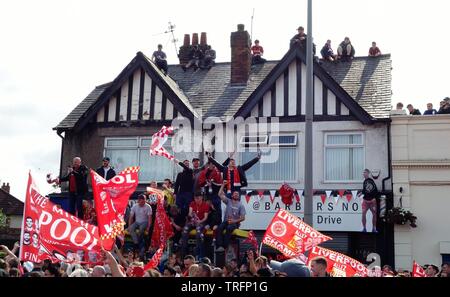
(257, 50)
(374, 51)
(199, 210)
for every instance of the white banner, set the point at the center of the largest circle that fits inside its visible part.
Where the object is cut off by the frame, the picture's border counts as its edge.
(329, 216)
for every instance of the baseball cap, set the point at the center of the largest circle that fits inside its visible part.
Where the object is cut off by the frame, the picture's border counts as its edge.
(106, 159)
(292, 267)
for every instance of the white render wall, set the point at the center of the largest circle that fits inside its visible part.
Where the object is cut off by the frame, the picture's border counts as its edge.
(421, 166)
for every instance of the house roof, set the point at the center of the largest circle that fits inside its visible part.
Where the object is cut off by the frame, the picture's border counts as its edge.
(10, 205)
(367, 80)
(211, 90)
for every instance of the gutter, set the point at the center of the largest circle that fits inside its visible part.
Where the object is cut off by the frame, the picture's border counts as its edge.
(59, 132)
(389, 156)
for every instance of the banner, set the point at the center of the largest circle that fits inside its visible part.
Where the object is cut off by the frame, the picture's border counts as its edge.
(162, 230)
(158, 140)
(154, 261)
(49, 232)
(418, 271)
(339, 265)
(290, 235)
(111, 200)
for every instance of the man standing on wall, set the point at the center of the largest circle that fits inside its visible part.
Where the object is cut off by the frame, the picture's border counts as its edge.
(371, 194)
(77, 178)
(106, 171)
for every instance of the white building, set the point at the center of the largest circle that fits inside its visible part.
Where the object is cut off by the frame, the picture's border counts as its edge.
(421, 169)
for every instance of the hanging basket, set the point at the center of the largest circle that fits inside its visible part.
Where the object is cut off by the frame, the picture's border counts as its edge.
(400, 216)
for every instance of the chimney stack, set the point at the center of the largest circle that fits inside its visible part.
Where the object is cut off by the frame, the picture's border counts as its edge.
(203, 42)
(240, 56)
(6, 187)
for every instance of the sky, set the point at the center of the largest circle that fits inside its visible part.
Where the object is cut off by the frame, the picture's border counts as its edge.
(53, 53)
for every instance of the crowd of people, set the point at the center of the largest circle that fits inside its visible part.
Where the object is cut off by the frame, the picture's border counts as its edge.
(444, 108)
(129, 264)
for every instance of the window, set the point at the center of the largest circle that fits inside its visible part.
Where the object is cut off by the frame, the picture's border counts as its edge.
(344, 157)
(125, 152)
(284, 147)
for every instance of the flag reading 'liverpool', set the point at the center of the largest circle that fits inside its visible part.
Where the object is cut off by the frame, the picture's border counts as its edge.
(111, 199)
(290, 235)
(418, 271)
(339, 265)
(49, 232)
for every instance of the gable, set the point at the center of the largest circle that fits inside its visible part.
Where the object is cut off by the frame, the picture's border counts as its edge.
(138, 98)
(283, 94)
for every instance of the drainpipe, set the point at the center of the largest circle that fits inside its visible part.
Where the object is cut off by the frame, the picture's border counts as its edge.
(389, 157)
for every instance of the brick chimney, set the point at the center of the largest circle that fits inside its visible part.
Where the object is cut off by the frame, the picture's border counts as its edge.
(6, 187)
(186, 48)
(241, 58)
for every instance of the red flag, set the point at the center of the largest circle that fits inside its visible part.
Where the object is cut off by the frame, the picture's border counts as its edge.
(162, 230)
(248, 196)
(418, 271)
(111, 199)
(49, 232)
(349, 197)
(251, 239)
(154, 261)
(260, 193)
(339, 265)
(323, 197)
(341, 193)
(290, 235)
(297, 196)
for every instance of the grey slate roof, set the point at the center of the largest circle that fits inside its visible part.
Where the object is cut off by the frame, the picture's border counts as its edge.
(211, 91)
(10, 205)
(77, 113)
(367, 80)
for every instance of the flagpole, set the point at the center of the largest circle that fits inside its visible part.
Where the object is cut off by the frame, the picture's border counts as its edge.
(308, 216)
(260, 249)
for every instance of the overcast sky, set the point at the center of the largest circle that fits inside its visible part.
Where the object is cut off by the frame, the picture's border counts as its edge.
(53, 53)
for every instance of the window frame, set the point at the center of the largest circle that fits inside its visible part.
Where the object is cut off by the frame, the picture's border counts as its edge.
(327, 146)
(268, 145)
(138, 148)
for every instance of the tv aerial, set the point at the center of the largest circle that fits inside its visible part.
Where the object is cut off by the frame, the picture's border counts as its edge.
(170, 30)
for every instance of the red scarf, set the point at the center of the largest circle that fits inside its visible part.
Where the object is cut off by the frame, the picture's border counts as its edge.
(72, 183)
(237, 178)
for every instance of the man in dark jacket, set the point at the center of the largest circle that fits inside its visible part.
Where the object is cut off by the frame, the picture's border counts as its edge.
(77, 178)
(412, 110)
(371, 194)
(445, 108)
(184, 185)
(106, 171)
(235, 175)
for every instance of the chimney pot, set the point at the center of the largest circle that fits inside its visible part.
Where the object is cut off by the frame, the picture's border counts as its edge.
(240, 27)
(203, 41)
(6, 187)
(195, 39)
(187, 40)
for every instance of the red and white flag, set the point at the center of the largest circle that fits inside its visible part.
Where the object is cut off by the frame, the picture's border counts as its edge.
(111, 199)
(418, 271)
(49, 232)
(154, 261)
(251, 239)
(162, 230)
(339, 265)
(158, 140)
(291, 236)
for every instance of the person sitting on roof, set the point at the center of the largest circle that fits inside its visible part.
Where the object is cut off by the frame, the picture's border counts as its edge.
(374, 51)
(195, 56)
(300, 38)
(160, 59)
(257, 52)
(209, 59)
(327, 52)
(346, 51)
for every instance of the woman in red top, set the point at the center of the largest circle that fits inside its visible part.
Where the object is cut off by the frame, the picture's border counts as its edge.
(198, 214)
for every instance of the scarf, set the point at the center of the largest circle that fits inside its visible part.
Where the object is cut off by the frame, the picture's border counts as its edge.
(237, 179)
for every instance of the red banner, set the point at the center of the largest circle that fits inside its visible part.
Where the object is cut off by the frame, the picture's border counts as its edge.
(154, 261)
(290, 235)
(49, 232)
(339, 265)
(111, 199)
(162, 230)
(418, 271)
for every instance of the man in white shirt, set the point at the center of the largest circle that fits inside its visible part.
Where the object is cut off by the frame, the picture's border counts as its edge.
(140, 218)
(106, 171)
